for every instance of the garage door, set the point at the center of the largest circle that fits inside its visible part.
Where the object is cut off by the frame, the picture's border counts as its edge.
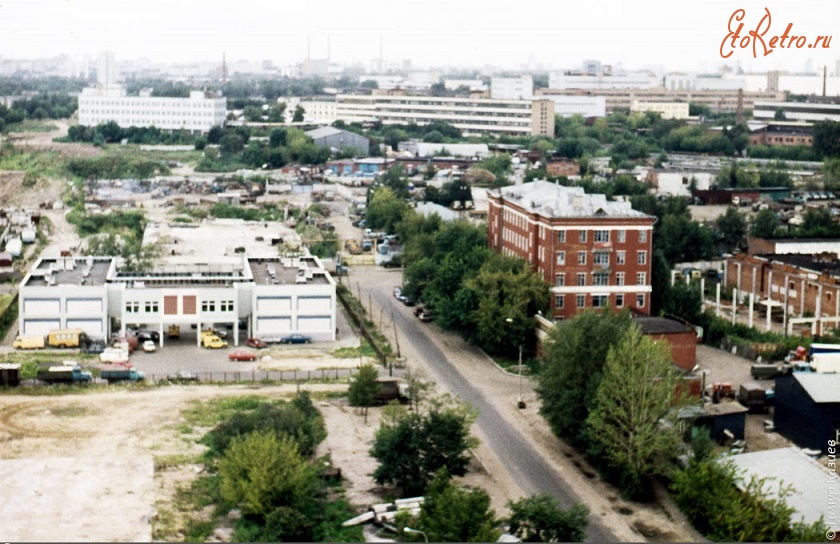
(315, 324)
(41, 306)
(93, 327)
(274, 304)
(84, 306)
(273, 325)
(39, 327)
(314, 304)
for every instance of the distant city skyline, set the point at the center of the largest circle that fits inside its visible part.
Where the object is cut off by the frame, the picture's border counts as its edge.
(669, 36)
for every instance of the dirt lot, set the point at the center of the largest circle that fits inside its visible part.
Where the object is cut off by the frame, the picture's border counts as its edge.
(105, 466)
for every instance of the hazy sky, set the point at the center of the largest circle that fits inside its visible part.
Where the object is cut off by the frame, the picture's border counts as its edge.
(675, 34)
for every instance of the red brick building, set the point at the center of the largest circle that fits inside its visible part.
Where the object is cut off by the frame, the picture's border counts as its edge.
(593, 252)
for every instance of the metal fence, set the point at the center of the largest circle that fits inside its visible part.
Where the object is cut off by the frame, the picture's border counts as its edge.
(253, 376)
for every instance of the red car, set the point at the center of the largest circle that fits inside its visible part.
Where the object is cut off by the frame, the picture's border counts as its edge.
(255, 343)
(242, 355)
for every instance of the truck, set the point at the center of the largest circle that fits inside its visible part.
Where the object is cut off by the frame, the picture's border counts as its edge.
(212, 341)
(121, 373)
(174, 331)
(391, 390)
(754, 397)
(69, 372)
(114, 355)
(66, 338)
(817, 348)
(825, 363)
(29, 342)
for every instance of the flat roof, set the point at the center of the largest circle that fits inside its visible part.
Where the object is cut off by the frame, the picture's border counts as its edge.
(558, 201)
(791, 467)
(661, 325)
(288, 271)
(88, 271)
(822, 388)
(212, 240)
(806, 261)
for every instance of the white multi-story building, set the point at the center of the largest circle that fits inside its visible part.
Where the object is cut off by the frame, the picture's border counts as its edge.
(471, 84)
(808, 112)
(471, 115)
(668, 110)
(273, 297)
(600, 81)
(587, 106)
(198, 113)
(512, 88)
(321, 112)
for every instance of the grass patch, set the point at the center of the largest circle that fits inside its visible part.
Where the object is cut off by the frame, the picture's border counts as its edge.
(208, 413)
(34, 163)
(163, 462)
(353, 352)
(35, 126)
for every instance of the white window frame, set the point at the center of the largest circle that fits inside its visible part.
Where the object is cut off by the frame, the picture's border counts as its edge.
(641, 257)
(640, 300)
(602, 236)
(580, 301)
(559, 301)
(561, 236)
(640, 278)
(582, 236)
(642, 236)
(600, 278)
(560, 279)
(601, 257)
(620, 257)
(581, 279)
(619, 300)
(622, 236)
(561, 258)
(581, 257)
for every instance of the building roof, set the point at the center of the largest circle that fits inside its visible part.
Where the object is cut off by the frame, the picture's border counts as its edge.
(724, 408)
(558, 201)
(661, 325)
(429, 208)
(822, 388)
(324, 132)
(425, 149)
(791, 467)
(87, 271)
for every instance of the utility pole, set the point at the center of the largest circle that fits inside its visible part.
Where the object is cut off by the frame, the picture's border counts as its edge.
(520, 403)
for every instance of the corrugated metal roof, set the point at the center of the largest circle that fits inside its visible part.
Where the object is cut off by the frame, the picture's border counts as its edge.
(790, 466)
(822, 388)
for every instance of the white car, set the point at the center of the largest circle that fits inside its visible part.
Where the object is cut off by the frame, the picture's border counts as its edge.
(149, 346)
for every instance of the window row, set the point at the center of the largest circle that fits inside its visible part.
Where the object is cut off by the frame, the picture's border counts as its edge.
(598, 278)
(601, 236)
(602, 257)
(598, 301)
(152, 307)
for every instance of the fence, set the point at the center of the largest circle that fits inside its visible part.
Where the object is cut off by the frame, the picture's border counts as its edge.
(254, 376)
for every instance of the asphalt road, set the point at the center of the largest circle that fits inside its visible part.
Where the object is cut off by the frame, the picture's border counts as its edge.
(526, 466)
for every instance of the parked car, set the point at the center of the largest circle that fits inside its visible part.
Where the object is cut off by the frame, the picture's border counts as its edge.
(408, 301)
(255, 343)
(149, 346)
(295, 339)
(182, 376)
(142, 336)
(397, 293)
(242, 355)
(426, 315)
(95, 347)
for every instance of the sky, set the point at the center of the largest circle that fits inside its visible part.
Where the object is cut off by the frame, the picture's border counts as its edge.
(674, 34)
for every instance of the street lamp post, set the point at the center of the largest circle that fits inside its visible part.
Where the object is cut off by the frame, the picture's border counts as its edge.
(410, 530)
(519, 402)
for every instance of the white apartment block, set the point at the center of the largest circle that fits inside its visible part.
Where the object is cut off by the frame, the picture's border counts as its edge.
(668, 110)
(473, 116)
(587, 106)
(198, 113)
(322, 112)
(512, 88)
(471, 84)
(623, 80)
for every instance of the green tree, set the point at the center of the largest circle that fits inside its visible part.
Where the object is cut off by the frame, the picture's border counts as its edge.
(827, 138)
(506, 288)
(764, 224)
(411, 446)
(726, 507)
(540, 518)
(385, 209)
(575, 353)
(297, 116)
(231, 143)
(731, 228)
(363, 388)
(684, 301)
(451, 514)
(633, 399)
(818, 223)
(261, 472)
